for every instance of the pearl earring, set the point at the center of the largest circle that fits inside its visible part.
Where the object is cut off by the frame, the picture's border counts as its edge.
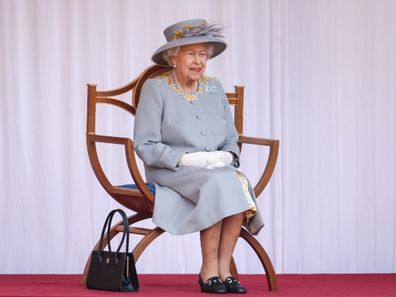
(174, 65)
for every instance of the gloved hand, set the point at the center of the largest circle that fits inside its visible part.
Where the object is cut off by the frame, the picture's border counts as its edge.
(219, 159)
(208, 160)
(197, 159)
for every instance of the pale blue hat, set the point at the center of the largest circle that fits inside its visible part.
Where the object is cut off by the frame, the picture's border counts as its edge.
(190, 32)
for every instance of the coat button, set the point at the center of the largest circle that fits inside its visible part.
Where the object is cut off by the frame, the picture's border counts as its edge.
(203, 132)
(199, 117)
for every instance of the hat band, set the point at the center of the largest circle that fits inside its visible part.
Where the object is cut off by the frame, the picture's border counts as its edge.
(204, 29)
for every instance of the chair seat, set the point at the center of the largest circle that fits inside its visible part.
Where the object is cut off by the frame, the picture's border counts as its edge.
(133, 186)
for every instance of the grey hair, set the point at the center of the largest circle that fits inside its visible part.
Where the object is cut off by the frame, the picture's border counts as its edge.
(172, 52)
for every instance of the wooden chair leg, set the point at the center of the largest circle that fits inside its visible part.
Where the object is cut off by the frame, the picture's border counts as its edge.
(145, 241)
(263, 256)
(131, 220)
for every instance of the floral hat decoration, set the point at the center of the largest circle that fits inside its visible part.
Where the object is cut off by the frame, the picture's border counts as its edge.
(191, 32)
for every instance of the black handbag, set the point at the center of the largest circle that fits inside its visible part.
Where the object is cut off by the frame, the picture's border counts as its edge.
(113, 271)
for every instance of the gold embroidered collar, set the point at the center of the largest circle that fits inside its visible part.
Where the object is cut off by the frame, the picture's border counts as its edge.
(205, 85)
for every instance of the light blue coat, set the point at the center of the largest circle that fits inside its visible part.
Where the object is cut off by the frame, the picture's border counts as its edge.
(167, 125)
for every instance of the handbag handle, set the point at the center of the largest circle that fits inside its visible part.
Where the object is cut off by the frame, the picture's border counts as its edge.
(125, 231)
(108, 225)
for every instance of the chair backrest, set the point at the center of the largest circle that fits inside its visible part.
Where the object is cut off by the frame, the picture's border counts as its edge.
(140, 199)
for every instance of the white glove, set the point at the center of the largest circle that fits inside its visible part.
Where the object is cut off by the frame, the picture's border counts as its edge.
(219, 159)
(197, 159)
(208, 160)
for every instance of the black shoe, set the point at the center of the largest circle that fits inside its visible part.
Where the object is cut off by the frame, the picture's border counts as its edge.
(233, 286)
(212, 285)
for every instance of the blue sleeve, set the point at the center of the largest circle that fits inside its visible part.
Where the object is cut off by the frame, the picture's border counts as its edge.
(147, 130)
(231, 141)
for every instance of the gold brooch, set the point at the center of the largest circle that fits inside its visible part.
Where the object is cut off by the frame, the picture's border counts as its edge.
(190, 97)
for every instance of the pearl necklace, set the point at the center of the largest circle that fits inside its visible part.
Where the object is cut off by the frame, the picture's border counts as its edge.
(188, 96)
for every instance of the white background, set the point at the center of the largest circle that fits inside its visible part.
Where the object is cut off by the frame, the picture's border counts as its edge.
(320, 76)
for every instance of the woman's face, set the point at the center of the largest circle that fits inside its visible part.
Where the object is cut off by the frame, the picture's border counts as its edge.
(190, 62)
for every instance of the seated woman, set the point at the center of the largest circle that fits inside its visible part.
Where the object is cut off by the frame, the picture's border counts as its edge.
(185, 135)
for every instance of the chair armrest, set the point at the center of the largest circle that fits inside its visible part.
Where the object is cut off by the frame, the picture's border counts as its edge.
(273, 145)
(92, 139)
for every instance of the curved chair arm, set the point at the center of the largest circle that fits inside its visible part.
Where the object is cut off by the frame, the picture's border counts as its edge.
(92, 139)
(271, 161)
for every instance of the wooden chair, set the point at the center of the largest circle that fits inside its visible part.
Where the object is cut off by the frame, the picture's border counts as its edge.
(140, 200)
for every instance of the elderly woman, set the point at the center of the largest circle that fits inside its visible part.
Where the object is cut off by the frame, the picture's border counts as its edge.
(185, 135)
